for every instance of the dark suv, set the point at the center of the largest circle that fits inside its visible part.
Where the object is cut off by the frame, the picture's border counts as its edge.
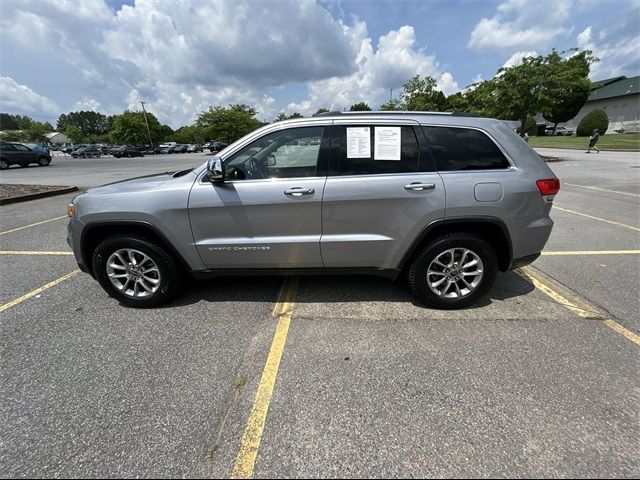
(128, 151)
(19, 154)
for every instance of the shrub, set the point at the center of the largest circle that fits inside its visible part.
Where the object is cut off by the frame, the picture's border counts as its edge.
(595, 119)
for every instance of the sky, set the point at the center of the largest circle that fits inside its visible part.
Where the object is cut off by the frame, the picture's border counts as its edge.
(181, 56)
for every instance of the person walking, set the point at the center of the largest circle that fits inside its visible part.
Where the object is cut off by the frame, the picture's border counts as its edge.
(593, 139)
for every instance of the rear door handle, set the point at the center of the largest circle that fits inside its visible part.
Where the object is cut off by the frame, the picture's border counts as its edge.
(299, 191)
(420, 186)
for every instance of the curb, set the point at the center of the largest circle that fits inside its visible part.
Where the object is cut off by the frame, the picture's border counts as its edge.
(36, 196)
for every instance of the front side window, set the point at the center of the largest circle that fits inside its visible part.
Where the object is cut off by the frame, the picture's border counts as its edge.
(463, 149)
(283, 154)
(377, 149)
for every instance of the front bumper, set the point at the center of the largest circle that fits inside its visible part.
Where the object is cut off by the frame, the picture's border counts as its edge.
(74, 239)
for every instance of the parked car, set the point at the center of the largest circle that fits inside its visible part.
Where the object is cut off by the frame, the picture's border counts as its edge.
(38, 147)
(342, 206)
(87, 152)
(194, 148)
(18, 154)
(128, 151)
(178, 149)
(559, 131)
(216, 146)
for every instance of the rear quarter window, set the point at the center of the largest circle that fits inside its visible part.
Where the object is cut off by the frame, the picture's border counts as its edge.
(463, 149)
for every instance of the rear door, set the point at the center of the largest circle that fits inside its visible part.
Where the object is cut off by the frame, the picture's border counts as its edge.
(267, 213)
(381, 192)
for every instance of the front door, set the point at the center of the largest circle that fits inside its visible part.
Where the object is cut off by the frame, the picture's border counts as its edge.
(267, 213)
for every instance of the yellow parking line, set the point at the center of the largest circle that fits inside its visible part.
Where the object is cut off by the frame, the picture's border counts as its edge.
(33, 225)
(33, 293)
(590, 252)
(598, 218)
(250, 443)
(602, 189)
(578, 307)
(29, 252)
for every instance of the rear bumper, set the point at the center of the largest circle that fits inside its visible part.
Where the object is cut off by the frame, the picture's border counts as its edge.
(523, 261)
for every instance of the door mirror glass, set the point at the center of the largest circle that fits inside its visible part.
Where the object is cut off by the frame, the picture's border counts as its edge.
(214, 167)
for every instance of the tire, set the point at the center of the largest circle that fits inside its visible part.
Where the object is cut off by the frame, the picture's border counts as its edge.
(44, 161)
(169, 273)
(450, 296)
(4, 164)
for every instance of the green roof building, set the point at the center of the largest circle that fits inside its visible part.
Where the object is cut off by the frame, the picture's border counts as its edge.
(620, 98)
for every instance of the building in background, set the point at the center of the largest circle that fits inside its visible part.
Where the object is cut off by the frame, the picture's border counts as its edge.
(57, 138)
(620, 98)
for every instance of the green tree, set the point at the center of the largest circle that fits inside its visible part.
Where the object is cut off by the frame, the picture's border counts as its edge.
(458, 102)
(130, 128)
(74, 133)
(570, 87)
(36, 132)
(596, 119)
(87, 121)
(227, 123)
(537, 83)
(421, 94)
(321, 110)
(189, 134)
(164, 132)
(283, 116)
(393, 105)
(360, 107)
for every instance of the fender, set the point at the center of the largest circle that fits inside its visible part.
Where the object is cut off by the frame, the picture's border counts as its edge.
(446, 223)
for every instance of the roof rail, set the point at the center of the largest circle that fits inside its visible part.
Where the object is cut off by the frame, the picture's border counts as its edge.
(398, 112)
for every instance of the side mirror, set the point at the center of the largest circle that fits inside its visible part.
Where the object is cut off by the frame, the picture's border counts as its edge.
(214, 167)
(271, 160)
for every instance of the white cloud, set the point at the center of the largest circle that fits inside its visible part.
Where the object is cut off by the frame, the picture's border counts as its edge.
(20, 99)
(396, 60)
(87, 104)
(617, 51)
(516, 59)
(522, 24)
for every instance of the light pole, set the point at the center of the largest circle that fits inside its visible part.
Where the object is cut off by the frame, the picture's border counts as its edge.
(147, 123)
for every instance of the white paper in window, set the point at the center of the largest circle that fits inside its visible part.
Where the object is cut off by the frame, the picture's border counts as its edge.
(387, 143)
(358, 142)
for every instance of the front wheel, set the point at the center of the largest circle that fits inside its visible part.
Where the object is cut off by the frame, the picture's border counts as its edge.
(44, 162)
(136, 271)
(4, 164)
(454, 271)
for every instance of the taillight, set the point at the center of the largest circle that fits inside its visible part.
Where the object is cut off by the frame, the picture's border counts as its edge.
(548, 186)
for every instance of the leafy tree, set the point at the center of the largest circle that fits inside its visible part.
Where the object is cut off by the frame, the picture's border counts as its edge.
(36, 132)
(538, 83)
(421, 94)
(11, 136)
(393, 105)
(74, 133)
(596, 119)
(87, 121)
(321, 110)
(458, 102)
(165, 132)
(189, 134)
(570, 87)
(130, 128)
(227, 123)
(360, 107)
(283, 116)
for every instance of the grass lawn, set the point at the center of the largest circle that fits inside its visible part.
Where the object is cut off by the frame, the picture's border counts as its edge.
(608, 142)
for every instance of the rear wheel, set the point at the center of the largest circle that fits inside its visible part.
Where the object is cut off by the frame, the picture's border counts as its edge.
(44, 161)
(4, 164)
(454, 271)
(136, 271)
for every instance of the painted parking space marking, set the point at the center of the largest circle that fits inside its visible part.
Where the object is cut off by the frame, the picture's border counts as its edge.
(590, 252)
(597, 218)
(602, 189)
(575, 305)
(250, 443)
(30, 252)
(33, 293)
(33, 225)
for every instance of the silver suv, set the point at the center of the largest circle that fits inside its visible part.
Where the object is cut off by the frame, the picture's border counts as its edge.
(445, 200)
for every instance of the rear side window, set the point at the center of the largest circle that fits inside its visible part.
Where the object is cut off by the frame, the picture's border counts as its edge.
(463, 149)
(375, 149)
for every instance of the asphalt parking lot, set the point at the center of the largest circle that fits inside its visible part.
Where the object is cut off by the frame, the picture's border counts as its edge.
(331, 376)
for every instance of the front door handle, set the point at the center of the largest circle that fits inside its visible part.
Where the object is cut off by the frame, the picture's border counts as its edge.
(298, 191)
(420, 186)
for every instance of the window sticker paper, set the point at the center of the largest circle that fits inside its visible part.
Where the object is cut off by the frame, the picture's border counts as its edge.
(387, 143)
(358, 142)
